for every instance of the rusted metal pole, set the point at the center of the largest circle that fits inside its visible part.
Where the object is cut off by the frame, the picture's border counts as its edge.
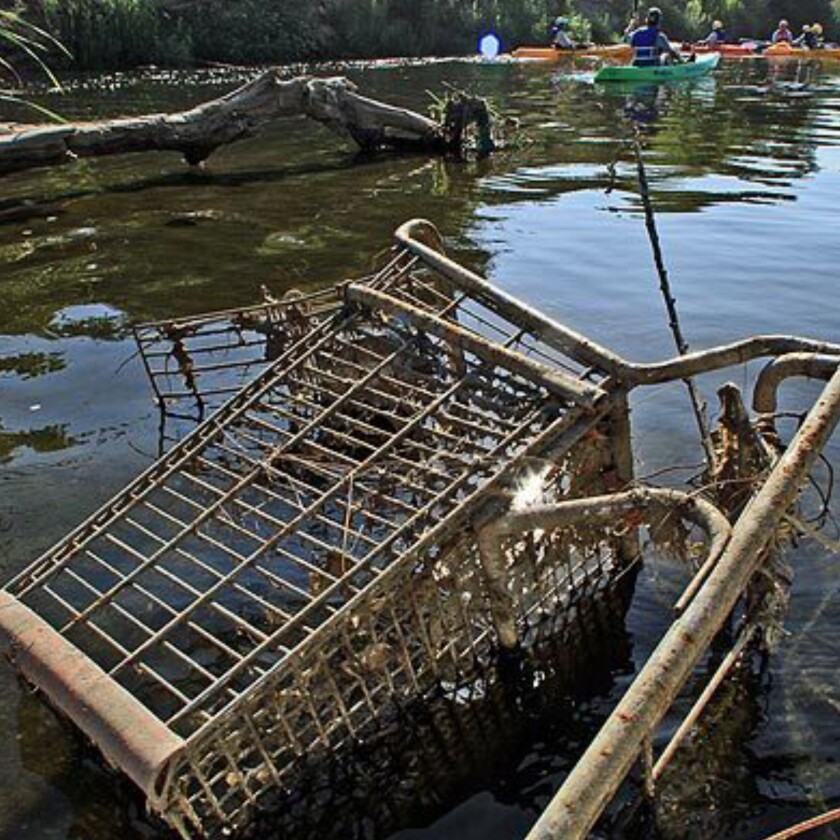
(728, 355)
(585, 350)
(601, 509)
(809, 825)
(551, 332)
(811, 365)
(581, 393)
(577, 512)
(126, 732)
(728, 663)
(602, 769)
(771, 378)
(501, 601)
(621, 449)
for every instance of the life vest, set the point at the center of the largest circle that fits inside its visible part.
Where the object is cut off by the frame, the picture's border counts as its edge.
(782, 36)
(645, 43)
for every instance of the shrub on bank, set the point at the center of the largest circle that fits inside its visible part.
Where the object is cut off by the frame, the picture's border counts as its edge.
(119, 34)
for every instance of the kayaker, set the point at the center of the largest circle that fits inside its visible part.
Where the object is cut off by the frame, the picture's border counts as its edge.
(560, 38)
(650, 43)
(783, 35)
(811, 37)
(717, 37)
(633, 24)
(818, 36)
(805, 38)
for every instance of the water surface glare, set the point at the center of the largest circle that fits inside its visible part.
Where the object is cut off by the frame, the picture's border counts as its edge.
(745, 169)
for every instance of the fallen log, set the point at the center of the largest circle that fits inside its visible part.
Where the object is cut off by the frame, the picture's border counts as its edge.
(197, 133)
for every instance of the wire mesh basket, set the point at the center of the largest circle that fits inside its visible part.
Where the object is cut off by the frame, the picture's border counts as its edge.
(197, 362)
(304, 560)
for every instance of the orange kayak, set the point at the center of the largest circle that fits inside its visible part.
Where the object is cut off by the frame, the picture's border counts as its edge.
(787, 51)
(619, 52)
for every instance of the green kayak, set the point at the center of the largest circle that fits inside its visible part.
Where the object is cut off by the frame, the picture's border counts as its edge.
(667, 72)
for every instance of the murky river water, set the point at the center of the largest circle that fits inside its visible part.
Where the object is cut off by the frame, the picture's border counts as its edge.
(746, 174)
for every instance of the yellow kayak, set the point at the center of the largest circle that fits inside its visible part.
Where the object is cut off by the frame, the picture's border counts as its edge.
(787, 51)
(619, 52)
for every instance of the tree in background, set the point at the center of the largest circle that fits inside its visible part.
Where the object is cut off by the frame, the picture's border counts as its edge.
(121, 34)
(691, 19)
(115, 34)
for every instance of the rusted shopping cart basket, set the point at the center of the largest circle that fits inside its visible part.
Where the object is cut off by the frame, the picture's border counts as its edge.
(197, 362)
(304, 560)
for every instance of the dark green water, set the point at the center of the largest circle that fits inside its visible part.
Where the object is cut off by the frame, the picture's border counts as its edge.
(746, 174)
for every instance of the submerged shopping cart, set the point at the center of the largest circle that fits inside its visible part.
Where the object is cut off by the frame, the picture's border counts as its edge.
(333, 542)
(305, 558)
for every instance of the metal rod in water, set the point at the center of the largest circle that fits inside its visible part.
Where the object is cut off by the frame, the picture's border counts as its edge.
(671, 303)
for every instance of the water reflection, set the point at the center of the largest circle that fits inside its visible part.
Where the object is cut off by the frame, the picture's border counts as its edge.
(490, 749)
(42, 440)
(30, 365)
(645, 103)
(61, 784)
(94, 224)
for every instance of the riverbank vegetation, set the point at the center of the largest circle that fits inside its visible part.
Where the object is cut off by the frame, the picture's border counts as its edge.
(122, 34)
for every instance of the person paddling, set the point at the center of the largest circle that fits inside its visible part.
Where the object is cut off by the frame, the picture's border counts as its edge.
(560, 38)
(817, 32)
(810, 37)
(783, 35)
(717, 37)
(650, 43)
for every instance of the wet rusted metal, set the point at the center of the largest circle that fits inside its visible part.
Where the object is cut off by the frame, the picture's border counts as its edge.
(597, 776)
(788, 366)
(730, 355)
(551, 332)
(335, 540)
(129, 736)
(198, 362)
(555, 381)
(587, 516)
(596, 511)
(296, 566)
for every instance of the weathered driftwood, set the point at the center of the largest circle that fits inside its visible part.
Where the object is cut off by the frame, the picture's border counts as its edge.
(197, 133)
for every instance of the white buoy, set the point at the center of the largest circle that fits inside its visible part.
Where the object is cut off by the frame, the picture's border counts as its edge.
(489, 45)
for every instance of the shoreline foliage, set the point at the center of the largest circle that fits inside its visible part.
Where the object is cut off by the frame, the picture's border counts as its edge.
(124, 34)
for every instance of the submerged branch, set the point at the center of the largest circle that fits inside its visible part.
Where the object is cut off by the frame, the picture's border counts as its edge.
(671, 302)
(197, 133)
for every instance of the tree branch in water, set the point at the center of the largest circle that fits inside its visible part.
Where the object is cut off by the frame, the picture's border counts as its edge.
(197, 133)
